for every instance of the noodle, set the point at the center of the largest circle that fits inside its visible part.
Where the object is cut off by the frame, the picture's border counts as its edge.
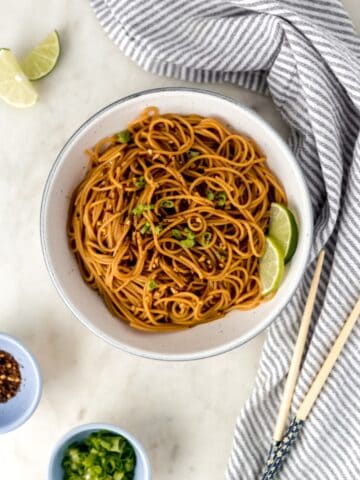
(169, 227)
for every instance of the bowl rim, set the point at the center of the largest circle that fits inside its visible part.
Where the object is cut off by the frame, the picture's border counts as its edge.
(138, 447)
(26, 414)
(209, 352)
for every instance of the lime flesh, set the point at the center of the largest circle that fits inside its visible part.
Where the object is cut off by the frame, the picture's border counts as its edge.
(271, 267)
(283, 229)
(43, 58)
(15, 88)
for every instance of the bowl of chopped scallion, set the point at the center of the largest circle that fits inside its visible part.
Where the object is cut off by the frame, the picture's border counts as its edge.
(99, 451)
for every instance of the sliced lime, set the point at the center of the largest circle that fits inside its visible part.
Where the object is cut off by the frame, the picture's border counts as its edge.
(283, 229)
(15, 88)
(43, 58)
(271, 267)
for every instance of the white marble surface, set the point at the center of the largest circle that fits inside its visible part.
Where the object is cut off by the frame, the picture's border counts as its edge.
(183, 413)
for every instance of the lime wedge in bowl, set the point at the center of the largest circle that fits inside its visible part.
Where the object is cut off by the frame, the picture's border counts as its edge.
(15, 88)
(271, 267)
(283, 229)
(43, 58)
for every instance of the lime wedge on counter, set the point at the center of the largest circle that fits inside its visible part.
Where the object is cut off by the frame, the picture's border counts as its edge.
(43, 58)
(271, 267)
(15, 88)
(283, 229)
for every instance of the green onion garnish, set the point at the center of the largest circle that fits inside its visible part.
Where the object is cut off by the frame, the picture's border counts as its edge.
(140, 182)
(102, 455)
(124, 136)
(152, 285)
(145, 228)
(176, 234)
(193, 153)
(221, 198)
(210, 195)
(140, 209)
(205, 238)
(187, 243)
(167, 204)
(158, 228)
(189, 233)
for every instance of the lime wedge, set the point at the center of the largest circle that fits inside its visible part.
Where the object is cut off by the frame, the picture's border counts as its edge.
(15, 88)
(283, 229)
(271, 267)
(43, 58)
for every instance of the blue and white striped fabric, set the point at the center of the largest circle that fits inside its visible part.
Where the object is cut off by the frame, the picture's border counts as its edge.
(305, 54)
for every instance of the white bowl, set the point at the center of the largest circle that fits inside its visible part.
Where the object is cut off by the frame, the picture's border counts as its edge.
(69, 168)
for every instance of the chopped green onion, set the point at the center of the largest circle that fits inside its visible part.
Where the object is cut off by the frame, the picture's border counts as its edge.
(167, 204)
(140, 209)
(176, 234)
(145, 228)
(187, 243)
(124, 136)
(152, 285)
(193, 153)
(189, 234)
(158, 228)
(102, 455)
(221, 198)
(140, 182)
(205, 238)
(118, 476)
(210, 195)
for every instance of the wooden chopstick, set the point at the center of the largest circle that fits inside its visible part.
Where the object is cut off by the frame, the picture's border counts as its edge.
(282, 445)
(280, 450)
(298, 353)
(328, 364)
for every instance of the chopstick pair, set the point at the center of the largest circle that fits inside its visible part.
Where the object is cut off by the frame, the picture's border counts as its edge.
(282, 442)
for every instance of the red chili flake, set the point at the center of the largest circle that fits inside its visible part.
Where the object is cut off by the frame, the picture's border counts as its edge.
(10, 376)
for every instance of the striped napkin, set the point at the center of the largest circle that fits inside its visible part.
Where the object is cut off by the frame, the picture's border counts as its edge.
(306, 55)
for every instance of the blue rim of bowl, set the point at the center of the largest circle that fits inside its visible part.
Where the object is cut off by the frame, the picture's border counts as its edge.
(139, 449)
(144, 353)
(35, 401)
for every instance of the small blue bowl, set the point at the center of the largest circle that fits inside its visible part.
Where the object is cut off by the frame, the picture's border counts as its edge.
(18, 409)
(56, 472)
